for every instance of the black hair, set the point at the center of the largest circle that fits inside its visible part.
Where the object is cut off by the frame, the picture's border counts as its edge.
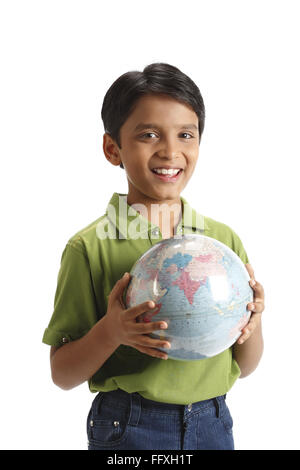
(158, 77)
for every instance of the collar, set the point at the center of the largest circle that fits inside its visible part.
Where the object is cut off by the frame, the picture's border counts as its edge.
(121, 215)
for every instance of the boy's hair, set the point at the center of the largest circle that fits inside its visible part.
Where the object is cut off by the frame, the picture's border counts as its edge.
(159, 77)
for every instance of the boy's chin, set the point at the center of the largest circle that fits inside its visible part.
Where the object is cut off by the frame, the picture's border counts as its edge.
(161, 196)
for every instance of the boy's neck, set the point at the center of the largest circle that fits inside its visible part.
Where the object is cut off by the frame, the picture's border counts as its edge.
(165, 214)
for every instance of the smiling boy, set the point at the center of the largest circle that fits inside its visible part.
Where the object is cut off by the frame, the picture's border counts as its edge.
(153, 125)
(161, 133)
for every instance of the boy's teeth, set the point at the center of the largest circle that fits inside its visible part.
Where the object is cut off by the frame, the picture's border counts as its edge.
(164, 171)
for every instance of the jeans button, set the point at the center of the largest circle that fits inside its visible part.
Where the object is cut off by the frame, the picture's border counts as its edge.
(190, 407)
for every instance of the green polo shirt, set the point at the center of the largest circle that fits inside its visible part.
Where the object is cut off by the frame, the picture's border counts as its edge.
(94, 259)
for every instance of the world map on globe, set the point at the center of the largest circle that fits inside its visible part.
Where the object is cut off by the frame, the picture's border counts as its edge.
(201, 289)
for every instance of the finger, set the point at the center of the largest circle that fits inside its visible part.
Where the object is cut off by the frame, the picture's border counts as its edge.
(137, 310)
(248, 330)
(147, 341)
(250, 270)
(258, 289)
(152, 352)
(257, 307)
(149, 327)
(246, 333)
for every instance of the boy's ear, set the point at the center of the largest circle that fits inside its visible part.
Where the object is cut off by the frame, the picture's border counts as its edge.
(111, 150)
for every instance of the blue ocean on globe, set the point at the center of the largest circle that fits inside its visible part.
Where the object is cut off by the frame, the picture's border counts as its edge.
(200, 288)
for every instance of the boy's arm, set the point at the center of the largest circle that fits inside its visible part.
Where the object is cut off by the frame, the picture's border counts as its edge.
(249, 347)
(75, 362)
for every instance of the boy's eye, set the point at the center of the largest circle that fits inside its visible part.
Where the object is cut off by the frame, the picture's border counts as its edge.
(148, 133)
(189, 136)
(186, 133)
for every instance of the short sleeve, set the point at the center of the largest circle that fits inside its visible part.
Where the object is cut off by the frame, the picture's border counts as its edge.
(226, 235)
(75, 308)
(238, 248)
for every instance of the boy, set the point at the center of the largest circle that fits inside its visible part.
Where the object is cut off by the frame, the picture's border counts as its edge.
(153, 124)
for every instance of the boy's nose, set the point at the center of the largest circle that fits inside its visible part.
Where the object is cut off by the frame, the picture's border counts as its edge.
(169, 149)
(169, 152)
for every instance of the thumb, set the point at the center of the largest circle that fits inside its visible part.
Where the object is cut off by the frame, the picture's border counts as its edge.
(119, 286)
(250, 270)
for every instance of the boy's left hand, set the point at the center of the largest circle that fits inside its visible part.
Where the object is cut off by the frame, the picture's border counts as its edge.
(256, 307)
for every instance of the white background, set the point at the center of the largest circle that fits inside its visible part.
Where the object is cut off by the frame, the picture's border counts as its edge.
(58, 58)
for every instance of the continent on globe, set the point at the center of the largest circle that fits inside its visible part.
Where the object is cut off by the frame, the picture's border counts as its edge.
(201, 289)
(188, 286)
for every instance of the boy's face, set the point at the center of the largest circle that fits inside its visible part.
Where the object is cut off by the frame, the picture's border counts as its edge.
(170, 139)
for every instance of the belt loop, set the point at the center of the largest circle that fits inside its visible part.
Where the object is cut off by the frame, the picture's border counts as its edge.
(217, 405)
(135, 409)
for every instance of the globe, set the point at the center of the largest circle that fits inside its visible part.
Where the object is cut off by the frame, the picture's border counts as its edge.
(200, 288)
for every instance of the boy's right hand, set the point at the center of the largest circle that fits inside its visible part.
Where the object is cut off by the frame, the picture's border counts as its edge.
(122, 327)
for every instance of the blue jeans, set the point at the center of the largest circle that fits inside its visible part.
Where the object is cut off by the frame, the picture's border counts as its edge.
(126, 421)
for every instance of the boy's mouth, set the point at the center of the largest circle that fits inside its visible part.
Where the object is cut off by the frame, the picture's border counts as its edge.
(167, 174)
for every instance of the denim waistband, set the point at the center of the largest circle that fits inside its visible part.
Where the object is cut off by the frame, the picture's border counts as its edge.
(121, 398)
